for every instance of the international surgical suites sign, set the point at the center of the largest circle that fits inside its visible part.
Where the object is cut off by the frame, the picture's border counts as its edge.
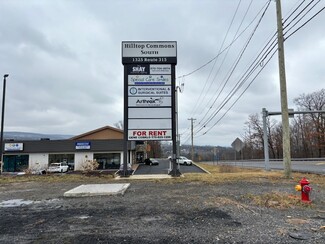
(149, 82)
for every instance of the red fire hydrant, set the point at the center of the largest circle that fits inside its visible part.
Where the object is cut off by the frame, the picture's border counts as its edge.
(305, 189)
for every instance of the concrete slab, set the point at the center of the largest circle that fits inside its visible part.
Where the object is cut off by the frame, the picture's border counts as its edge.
(97, 190)
(145, 177)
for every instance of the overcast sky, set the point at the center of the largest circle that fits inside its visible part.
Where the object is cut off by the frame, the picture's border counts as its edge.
(66, 76)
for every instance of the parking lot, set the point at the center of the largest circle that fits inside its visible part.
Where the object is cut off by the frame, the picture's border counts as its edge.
(168, 211)
(163, 168)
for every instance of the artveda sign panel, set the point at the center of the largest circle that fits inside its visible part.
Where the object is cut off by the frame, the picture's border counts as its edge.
(149, 101)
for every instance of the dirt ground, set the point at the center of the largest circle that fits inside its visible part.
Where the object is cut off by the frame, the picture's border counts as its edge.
(158, 212)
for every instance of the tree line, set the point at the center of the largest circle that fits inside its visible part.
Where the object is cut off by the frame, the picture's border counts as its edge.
(307, 131)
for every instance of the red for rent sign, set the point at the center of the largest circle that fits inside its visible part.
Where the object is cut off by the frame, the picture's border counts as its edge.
(150, 134)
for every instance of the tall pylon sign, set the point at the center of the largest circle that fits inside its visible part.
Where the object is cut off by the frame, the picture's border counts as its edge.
(149, 92)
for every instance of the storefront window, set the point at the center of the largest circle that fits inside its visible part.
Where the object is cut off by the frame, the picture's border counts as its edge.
(15, 163)
(108, 160)
(64, 158)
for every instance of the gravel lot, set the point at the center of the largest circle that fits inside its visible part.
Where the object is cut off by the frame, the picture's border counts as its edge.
(157, 212)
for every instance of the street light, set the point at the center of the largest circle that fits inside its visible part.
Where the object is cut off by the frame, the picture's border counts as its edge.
(2, 119)
(178, 139)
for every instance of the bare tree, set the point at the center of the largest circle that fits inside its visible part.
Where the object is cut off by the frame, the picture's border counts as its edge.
(254, 140)
(253, 137)
(119, 124)
(307, 131)
(315, 131)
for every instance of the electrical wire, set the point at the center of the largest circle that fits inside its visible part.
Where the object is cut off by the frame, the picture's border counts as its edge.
(296, 9)
(301, 11)
(205, 64)
(234, 67)
(259, 73)
(305, 23)
(240, 94)
(263, 58)
(223, 42)
(285, 33)
(223, 60)
(264, 8)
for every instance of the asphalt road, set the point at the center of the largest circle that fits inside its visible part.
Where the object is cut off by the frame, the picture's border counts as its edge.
(163, 168)
(317, 167)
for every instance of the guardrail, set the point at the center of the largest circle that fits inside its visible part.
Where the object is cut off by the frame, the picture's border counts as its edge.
(262, 160)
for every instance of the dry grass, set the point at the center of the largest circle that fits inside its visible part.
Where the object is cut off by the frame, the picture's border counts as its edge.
(5, 179)
(218, 174)
(226, 173)
(277, 200)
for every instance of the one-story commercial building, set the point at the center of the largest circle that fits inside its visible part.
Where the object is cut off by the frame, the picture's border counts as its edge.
(105, 145)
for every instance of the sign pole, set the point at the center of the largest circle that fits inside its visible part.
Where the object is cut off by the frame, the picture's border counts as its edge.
(174, 171)
(125, 172)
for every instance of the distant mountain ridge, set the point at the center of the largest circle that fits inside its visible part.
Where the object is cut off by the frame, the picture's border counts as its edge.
(26, 136)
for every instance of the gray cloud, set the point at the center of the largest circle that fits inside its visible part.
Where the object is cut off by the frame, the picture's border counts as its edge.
(66, 75)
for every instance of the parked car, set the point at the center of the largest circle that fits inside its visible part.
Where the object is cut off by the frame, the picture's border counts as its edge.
(151, 161)
(121, 170)
(58, 167)
(184, 161)
(71, 165)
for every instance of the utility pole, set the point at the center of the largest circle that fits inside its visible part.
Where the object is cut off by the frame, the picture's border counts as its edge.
(2, 120)
(192, 152)
(266, 142)
(284, 100)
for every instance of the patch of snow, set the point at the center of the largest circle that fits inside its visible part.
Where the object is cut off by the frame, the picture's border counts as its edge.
(15, 203)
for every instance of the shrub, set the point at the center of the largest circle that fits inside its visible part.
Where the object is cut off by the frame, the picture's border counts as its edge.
(89, 165)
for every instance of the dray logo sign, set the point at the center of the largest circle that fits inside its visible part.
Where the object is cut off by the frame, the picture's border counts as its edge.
(138, 69)
(149, 79)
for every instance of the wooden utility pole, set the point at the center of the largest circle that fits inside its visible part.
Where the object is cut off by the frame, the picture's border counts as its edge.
(284, 100)
(192, 151)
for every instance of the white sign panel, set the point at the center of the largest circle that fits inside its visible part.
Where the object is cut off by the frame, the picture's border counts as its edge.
(150, 124)
(150, 101)
(149, 80)
(14, 147)
(149, 49)
(160, 69)
(149, 135)
(150, 113)
(150, 91)
(83, 145)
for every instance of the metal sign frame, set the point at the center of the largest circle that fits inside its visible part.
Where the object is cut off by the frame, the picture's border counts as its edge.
(149, 75)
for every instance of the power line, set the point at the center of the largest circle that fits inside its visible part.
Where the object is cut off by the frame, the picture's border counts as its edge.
(224, 40)
(260, 72)
(305, 22)
(241, 94)
(205, 64)
(296, 9)
(301, 11)
(263, 58)
(232, 70)
(223, 60)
